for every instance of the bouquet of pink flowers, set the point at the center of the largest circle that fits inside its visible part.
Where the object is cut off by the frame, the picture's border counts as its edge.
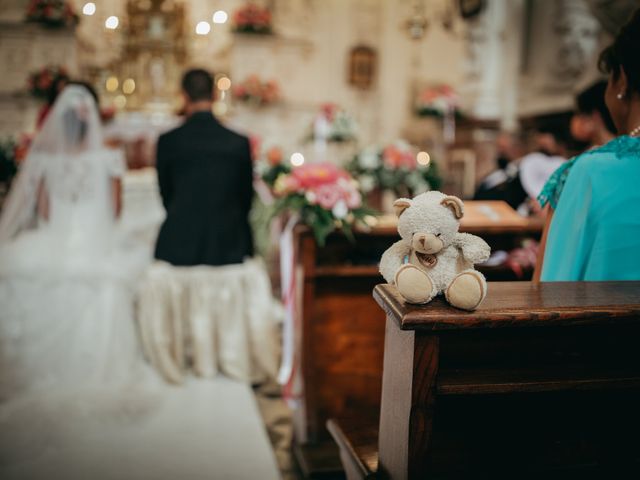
(257, 92)
(252, 18)
(325, 196)
(53, 13)
(438, 101)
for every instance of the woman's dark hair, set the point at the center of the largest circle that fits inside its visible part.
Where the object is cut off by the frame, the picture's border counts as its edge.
(57, 85)
(623, 53)
(198, 85)
(592, 100)
(92, 91)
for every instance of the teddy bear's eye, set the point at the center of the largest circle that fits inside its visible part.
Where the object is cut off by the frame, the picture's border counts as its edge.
(438, 234)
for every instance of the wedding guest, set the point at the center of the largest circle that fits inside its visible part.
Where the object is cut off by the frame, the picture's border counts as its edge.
(551, 139)
(503, 182)
(595, 230)
(592, 124)
(205, 176)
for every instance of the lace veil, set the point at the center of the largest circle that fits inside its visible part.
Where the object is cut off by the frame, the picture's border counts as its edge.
(71, 130)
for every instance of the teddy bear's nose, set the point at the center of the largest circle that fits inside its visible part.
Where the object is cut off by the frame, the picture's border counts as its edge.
(422, 240)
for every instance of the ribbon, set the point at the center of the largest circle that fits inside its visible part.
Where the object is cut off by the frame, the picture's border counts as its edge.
(288, 374)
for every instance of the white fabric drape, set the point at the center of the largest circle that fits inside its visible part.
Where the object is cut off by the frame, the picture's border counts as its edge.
(209, 319)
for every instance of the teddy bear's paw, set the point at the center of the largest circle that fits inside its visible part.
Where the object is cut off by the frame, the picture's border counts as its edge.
(467, 290)
(414, 284)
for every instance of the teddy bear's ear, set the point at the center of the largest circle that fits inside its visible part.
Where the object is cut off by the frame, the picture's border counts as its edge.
(455, 204)
(400, 205)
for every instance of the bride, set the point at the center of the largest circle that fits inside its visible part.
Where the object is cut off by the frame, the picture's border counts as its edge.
(67, 335)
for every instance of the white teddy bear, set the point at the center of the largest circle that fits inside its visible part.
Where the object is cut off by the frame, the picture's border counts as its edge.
(432, 257)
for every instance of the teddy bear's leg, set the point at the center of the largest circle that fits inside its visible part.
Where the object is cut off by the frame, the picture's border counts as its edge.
(414, 284)
(467, 290)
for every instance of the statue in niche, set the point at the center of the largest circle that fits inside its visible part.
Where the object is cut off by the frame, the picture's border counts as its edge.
(577, 32)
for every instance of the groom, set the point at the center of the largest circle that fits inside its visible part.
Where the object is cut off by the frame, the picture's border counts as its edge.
(205, 177)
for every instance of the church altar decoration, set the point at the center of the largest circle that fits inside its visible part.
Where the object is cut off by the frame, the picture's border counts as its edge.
(52, 13)
(323, 196)
(394, 167)
(41, 81)
(252, 18)
(256, 92)
(334, 124)
(437, 101)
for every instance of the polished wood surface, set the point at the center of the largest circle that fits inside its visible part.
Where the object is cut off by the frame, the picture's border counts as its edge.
(341, 337)
(480, 218)
(555, 397)
(521, 304)
(361, 453)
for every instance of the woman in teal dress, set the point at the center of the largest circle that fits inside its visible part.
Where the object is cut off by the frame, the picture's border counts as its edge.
(595, 230)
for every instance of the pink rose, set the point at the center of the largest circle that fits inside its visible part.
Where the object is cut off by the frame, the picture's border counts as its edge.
(327, 195)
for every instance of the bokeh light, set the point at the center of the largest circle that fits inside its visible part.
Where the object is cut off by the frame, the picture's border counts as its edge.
(120, 101)
(203, 28)
(297, 159)
(224, 83)
(112, 22)
(112, 84)
(129, 86)
(423, 158)
(89, 8)
(220, 17)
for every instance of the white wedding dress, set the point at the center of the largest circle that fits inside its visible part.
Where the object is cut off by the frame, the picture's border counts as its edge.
(68, 343)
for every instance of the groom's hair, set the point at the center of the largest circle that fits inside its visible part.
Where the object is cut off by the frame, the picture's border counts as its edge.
(198, 85)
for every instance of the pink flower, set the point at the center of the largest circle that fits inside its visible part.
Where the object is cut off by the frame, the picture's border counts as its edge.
(286, 184)
(327, 195)
(315, 174)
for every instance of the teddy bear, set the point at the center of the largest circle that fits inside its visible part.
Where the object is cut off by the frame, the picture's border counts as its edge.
(433, 257)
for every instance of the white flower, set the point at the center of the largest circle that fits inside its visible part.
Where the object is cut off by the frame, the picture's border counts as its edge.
(340, 209)
(369, 158)
(311, 197)
(367, 183)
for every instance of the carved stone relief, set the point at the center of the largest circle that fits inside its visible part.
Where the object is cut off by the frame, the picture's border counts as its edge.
(576, 31)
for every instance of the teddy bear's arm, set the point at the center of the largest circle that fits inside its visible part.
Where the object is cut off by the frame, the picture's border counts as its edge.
(392, 259)
(474, 249)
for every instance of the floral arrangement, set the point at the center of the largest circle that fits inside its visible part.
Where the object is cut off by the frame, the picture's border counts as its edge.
(252, 18)
(394, 167)
(52, 13)
(12, 153)
(41, 81)
(256, 92)
(334, 124)
(438, 101)
(325, 196)
(270, 164)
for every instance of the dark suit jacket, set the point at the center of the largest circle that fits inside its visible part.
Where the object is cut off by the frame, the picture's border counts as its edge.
(206, 183)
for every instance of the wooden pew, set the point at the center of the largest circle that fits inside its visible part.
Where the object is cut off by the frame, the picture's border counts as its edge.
(542, 381)
(341, 344)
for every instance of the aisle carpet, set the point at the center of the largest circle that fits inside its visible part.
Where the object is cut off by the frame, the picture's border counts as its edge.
(205, 429)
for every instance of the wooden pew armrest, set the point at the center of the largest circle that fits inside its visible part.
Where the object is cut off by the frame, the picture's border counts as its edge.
(358, 443)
